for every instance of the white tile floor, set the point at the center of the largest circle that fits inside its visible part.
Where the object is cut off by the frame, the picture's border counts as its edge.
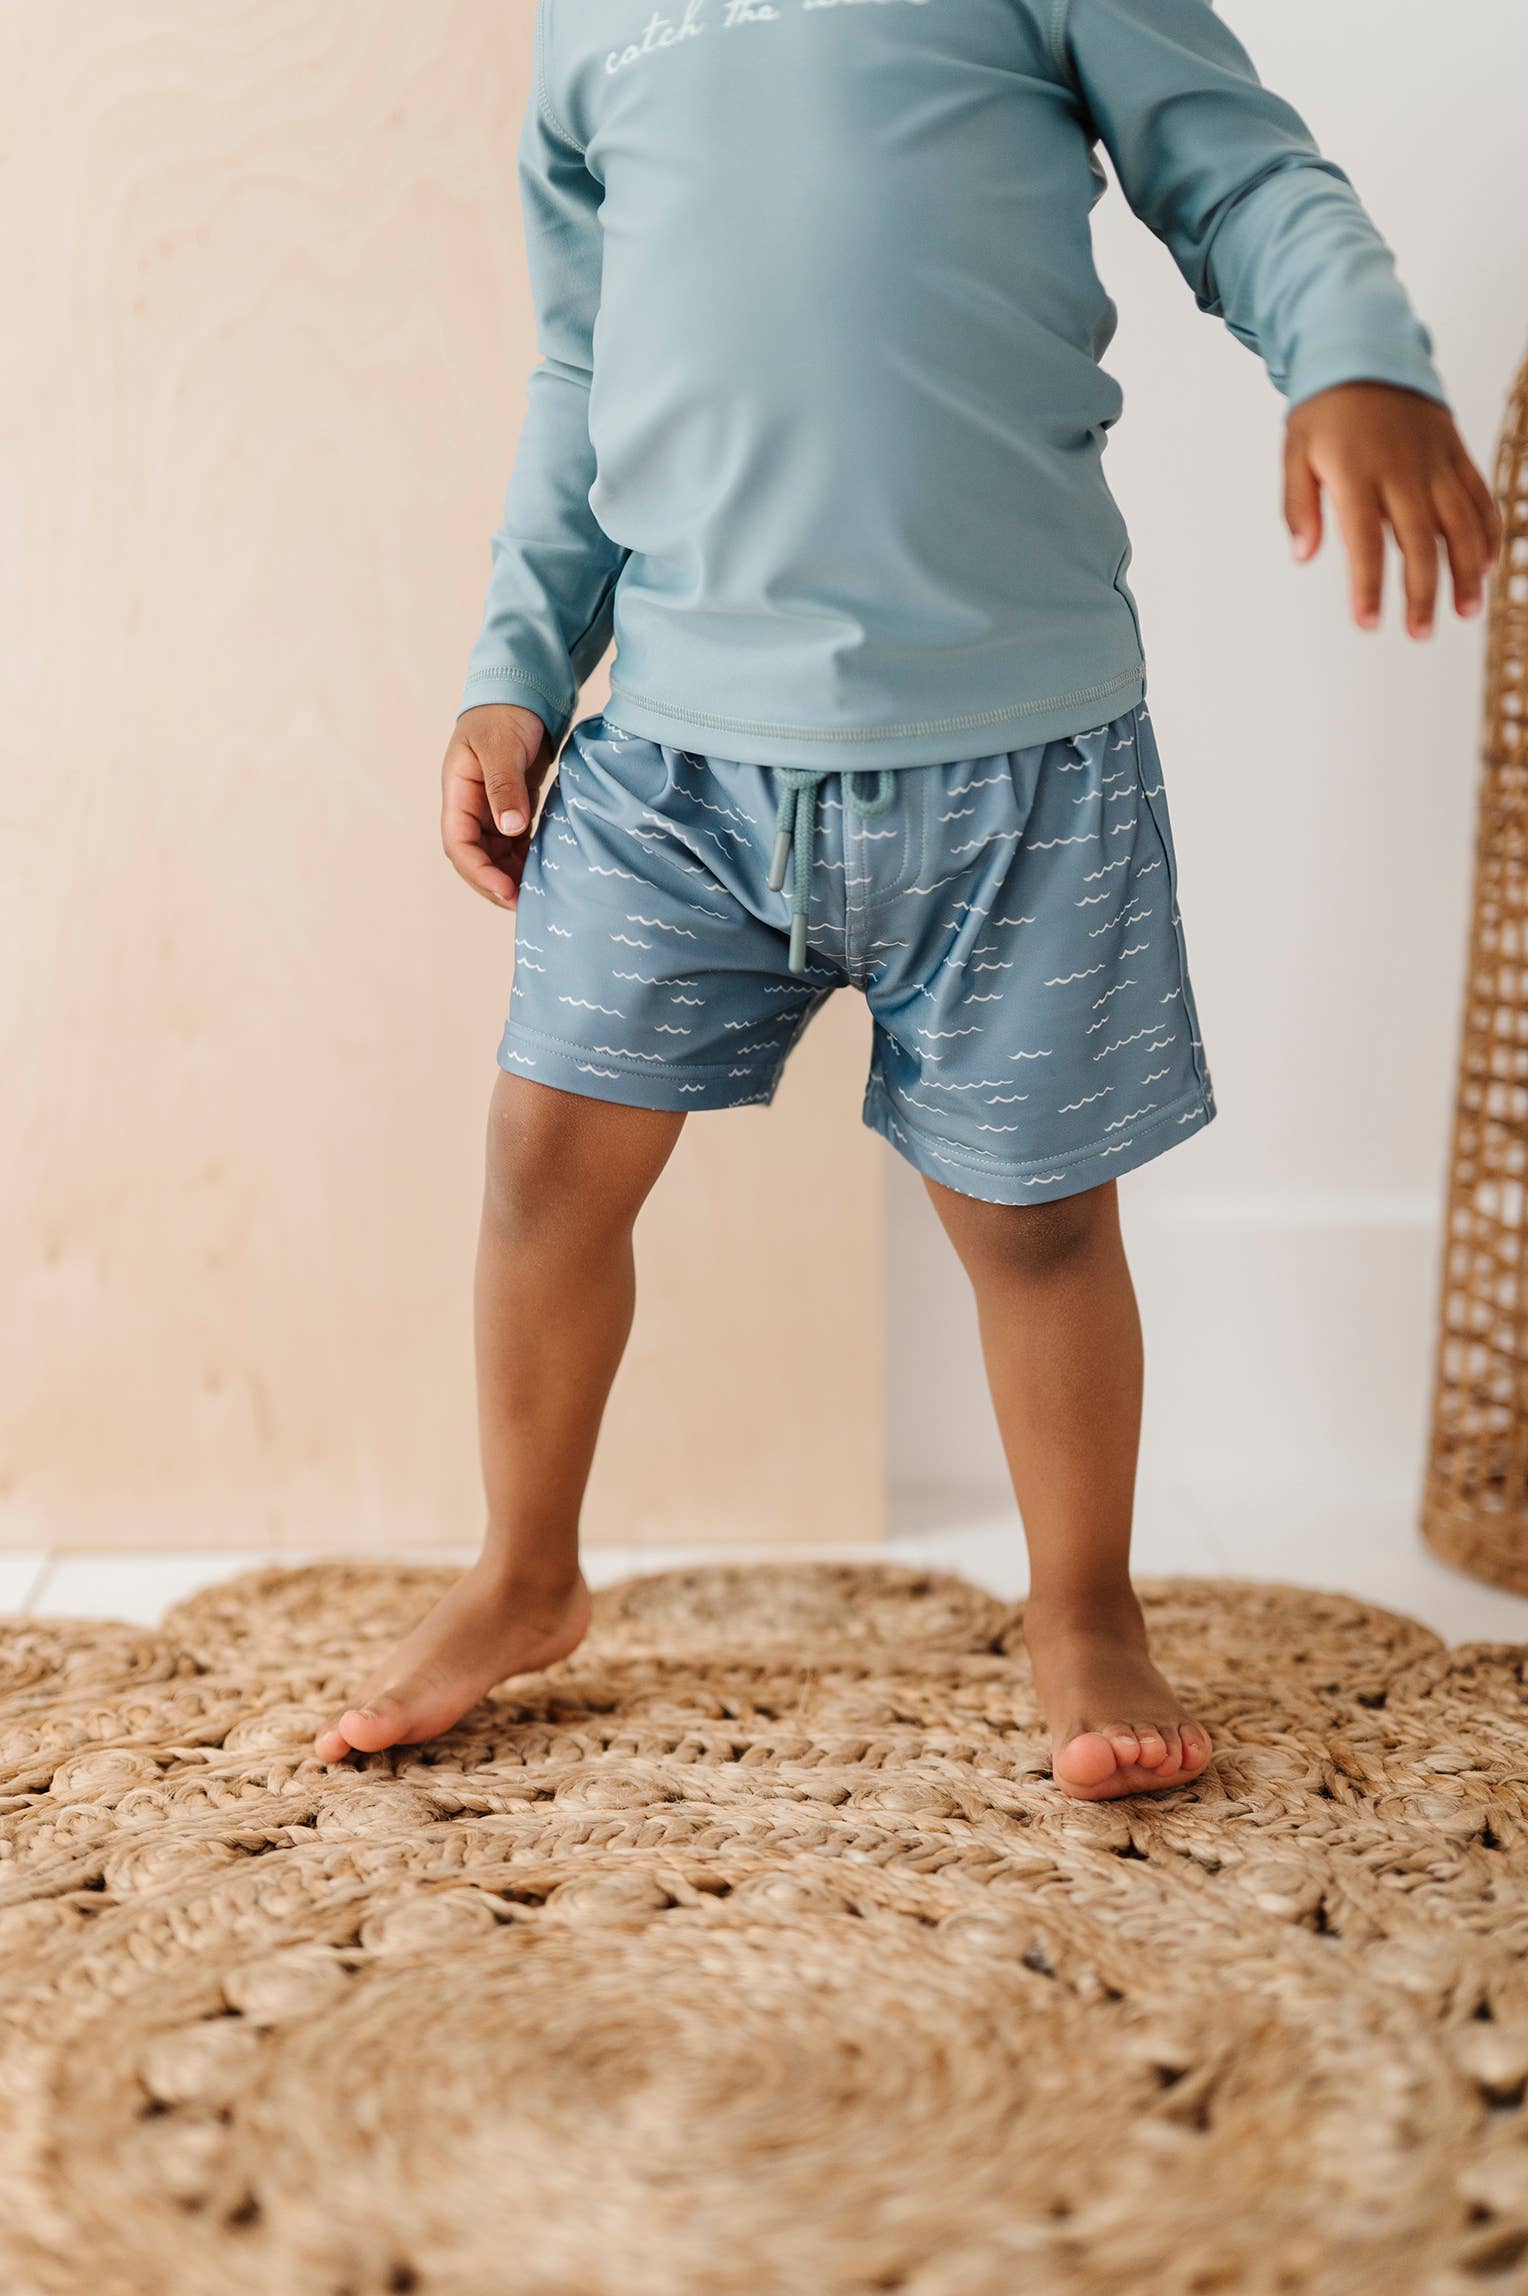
(1370, 1550)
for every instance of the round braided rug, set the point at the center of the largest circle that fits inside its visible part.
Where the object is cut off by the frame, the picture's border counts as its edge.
(752, 1952)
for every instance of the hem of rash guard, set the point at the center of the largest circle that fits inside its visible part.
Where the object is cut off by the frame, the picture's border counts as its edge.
(934, 741)
(1327, 366)
(599, 1075)
(1040, 1179)
(491, 681)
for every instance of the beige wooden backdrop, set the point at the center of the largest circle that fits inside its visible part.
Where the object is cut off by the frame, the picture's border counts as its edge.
(267, 345)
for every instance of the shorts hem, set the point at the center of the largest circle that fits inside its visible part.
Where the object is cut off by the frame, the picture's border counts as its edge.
(1039, 1180)
(600, 1075)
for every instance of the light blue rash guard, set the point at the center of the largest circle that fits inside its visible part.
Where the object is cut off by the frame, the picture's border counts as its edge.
(817, 431)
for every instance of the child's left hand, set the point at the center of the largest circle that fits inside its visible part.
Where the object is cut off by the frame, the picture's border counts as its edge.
(1390, 457)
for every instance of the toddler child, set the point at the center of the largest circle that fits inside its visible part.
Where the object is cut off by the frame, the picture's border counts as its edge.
(817, 437)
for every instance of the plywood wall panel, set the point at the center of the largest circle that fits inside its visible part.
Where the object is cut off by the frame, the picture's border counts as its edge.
(269, 335)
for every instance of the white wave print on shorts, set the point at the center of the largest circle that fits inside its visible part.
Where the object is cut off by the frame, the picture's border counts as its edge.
(1006, 917)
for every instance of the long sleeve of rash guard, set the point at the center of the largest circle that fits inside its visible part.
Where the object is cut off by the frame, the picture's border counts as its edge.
(547, 617)
(1270, 234)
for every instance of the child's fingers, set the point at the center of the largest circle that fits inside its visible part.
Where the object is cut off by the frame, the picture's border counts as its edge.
(462, 821)
(1465, 539)
(1302, 504)
(1361, 523)
(1416, 531)
(508, 798)
(476, 793)
(462, 831)
(484, 876)
(1485, 503)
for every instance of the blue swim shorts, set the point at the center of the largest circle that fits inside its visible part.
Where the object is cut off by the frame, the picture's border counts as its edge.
(1012, 921)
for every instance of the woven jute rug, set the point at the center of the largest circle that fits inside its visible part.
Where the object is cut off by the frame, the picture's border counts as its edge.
(752, 1952)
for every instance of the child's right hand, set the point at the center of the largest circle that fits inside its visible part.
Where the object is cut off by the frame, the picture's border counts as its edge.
(494, 766)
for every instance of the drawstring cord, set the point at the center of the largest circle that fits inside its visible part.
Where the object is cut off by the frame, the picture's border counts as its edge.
(795, 823)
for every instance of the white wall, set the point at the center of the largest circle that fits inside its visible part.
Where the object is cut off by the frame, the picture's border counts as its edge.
(1322, 785)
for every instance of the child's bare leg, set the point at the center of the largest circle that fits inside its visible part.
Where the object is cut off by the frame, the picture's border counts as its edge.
(556, 1286)
(1062, 1342)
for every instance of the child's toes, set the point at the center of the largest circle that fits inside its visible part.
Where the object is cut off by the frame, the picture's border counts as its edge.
(1196, 1748)
(1153, 1746)
(1085, 1761)
(1127, 1746)
(381, 1722)
(1172, 1740)
(366, 1729)
(331, 1744)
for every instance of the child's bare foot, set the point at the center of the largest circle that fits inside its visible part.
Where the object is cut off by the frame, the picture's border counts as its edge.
(489, 1625)
(1116, 1727)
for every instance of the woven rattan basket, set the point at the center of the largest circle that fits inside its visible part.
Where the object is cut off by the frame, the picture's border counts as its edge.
(1475, 1506)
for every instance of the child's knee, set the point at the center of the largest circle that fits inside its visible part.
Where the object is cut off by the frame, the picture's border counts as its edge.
(562, 1165)
(1030, 1242)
